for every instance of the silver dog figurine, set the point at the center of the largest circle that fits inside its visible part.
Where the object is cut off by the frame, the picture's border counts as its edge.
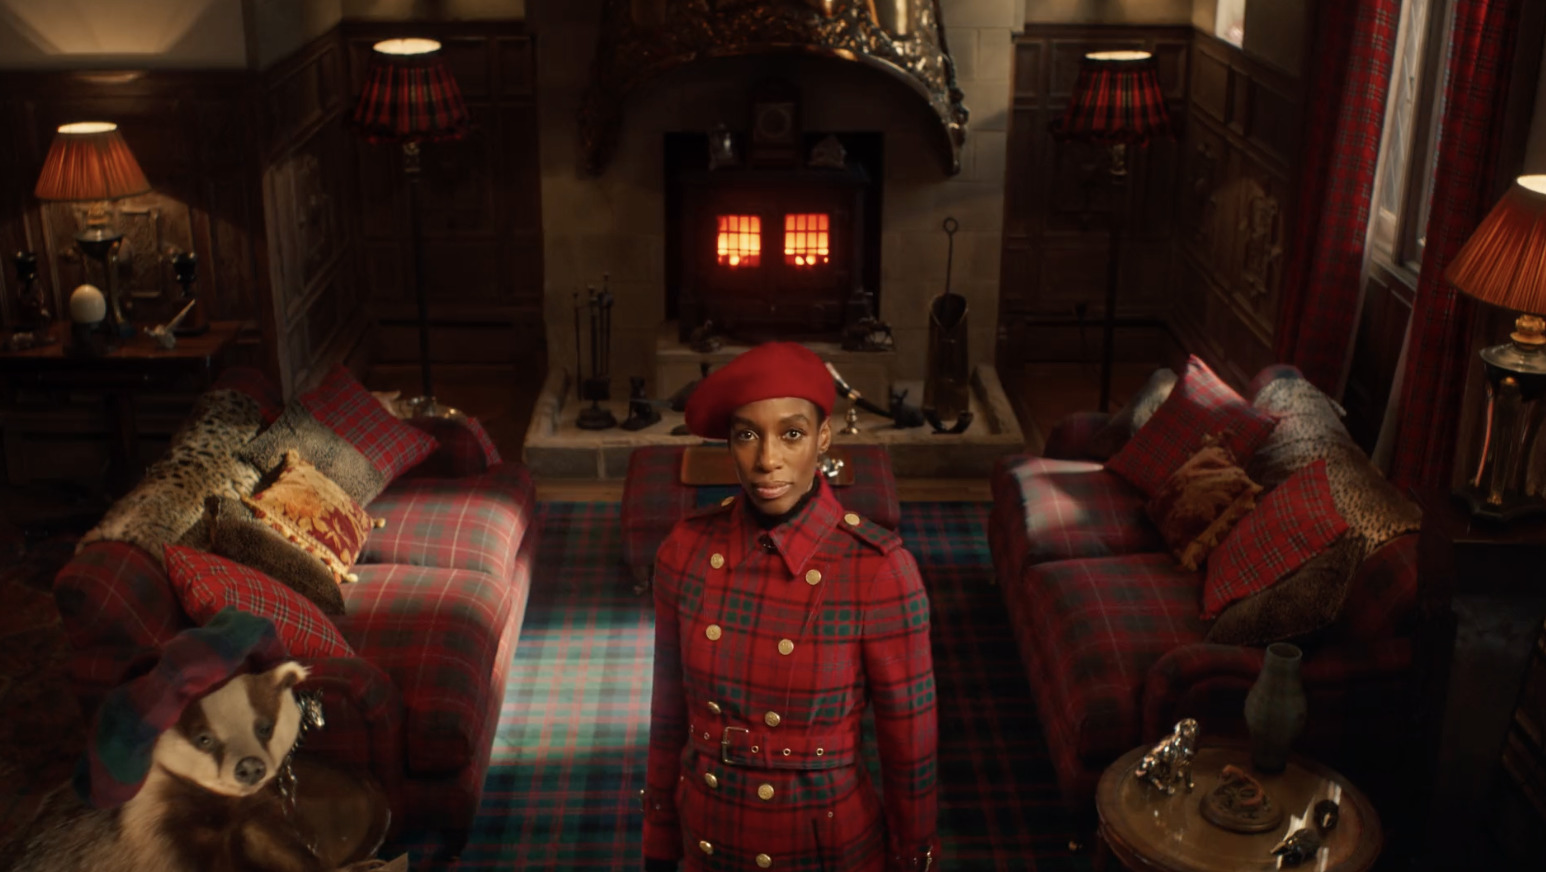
(1169, 763)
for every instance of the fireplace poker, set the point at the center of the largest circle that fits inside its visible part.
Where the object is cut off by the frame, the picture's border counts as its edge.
(852, 395)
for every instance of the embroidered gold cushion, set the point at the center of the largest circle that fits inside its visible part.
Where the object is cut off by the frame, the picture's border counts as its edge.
(312, 512)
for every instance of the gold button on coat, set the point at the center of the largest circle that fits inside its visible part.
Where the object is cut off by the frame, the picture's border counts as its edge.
(727, 501)
(705, 847)
(710, 779)
(717, 560)
(851, 519)
(765, 792)
(785, 647)
(713, 632)
(764, 861)
(771, 719)
(713, 707)
(813, 577)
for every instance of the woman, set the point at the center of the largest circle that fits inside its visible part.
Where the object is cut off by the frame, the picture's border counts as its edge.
(778, 618)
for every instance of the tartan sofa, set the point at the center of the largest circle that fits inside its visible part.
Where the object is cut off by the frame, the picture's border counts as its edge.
(433, 621)
(1108, 628)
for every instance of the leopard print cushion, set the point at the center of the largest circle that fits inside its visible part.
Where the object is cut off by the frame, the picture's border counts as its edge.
(167, 506)
(1311, 597)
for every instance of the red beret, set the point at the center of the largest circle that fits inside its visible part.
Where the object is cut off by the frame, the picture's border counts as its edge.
(773, 369)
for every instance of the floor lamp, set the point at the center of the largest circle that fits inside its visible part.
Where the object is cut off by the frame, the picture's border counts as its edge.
(1503, 264)
(411, 97)
(1116, 103)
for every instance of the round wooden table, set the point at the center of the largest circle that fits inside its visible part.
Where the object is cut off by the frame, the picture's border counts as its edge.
(1146, 830)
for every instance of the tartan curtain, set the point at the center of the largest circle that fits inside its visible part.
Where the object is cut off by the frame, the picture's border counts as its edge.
(1439, 353)
(1355, 45)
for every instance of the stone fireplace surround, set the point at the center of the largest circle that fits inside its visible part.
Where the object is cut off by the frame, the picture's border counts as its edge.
(614, 223)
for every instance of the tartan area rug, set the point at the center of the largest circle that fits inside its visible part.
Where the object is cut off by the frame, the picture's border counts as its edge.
(568, 761)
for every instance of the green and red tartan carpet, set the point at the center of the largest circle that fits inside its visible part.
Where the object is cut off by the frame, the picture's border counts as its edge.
(568, 763)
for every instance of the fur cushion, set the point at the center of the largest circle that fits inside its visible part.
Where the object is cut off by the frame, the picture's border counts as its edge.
(1109, 439)
(167, 506)
(1201, 502)
(330, 453)
(235, 532)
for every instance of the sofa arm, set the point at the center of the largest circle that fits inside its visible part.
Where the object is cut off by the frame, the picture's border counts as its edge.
(1070, 437)
(363, 719)
(465, 448)
(117, 608)
(1209, 682)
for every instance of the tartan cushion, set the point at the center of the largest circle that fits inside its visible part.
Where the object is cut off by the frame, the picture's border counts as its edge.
(654, 498)
(349, 410)
(1108, 440)
(1067, 509)
(314, 514)
(1088, 631)
(473, 523)
(1295, 522)
(1200, 405)
(439, 634)
(206, 583)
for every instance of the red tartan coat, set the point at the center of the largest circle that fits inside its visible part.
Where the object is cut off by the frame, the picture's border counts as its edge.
(768, 647)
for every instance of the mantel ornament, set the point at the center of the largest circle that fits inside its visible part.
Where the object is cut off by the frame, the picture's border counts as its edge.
(640, 40)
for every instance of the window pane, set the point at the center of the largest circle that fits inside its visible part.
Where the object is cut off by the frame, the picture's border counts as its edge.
(1405, 86)
(806, 240)
(740, 241)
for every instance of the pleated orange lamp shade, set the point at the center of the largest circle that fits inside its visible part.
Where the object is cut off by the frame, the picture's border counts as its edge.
(89, 160)
(1504, 261)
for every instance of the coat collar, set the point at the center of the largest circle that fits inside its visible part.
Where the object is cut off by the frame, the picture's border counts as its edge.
(795, 540)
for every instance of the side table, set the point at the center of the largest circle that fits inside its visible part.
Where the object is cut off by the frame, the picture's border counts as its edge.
(135, 366)
(654, 498)
(1145, 830)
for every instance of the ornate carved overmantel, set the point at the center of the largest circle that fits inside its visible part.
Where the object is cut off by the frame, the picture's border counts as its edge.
(640, 39)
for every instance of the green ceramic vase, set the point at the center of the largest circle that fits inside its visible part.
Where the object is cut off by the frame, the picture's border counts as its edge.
(1275, 708)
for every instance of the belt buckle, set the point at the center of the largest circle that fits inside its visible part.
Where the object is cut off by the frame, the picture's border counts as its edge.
(724, 744)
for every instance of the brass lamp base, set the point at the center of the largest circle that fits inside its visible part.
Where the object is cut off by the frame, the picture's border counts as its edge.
(1505, 485)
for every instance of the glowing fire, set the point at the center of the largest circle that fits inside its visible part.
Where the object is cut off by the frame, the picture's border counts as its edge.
(740, 241)
(806, 240)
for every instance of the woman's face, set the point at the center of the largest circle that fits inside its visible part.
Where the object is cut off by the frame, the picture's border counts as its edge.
(776, 444)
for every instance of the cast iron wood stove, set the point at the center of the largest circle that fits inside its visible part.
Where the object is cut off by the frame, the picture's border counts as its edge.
(766, 253)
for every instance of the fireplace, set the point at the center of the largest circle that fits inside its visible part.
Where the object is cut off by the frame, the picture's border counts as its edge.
(763, 253)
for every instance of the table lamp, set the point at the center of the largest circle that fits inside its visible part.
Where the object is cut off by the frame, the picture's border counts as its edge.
(89, 162)
(1116, 102)
(1504, 264)
(410, 96)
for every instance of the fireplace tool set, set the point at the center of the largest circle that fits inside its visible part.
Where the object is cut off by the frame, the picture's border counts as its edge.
(596, 387)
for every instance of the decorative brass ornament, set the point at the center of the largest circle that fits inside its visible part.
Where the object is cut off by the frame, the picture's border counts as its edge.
(641, 40)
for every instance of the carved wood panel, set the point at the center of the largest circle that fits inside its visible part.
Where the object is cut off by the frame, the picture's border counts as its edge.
(479, 198)
(1237, 204)
(1059, 200)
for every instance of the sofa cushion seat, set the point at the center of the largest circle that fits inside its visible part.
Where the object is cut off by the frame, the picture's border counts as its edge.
(469, 523)
(439, 634)
(1097, 626)
(1072, 510)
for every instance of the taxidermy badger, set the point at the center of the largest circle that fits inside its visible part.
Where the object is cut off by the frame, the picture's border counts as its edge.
(205, 800)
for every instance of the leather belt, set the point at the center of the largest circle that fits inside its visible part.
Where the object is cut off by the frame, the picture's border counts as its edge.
(739, 746)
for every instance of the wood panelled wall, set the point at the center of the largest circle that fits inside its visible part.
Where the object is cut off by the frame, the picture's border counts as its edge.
(479, 205)
(1236, 207)
(1059, 201)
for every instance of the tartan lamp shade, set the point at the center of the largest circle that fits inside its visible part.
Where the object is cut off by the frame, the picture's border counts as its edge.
(410, 95)
(87, 161)
(1117, 98)
(1504, 261)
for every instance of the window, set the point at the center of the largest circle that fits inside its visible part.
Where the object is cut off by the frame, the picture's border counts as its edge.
(1229, 22)
(1409, 145)
(806, 240)
(740, 241)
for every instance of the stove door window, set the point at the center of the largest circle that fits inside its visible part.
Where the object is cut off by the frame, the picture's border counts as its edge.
(739, 244)
(807, 240)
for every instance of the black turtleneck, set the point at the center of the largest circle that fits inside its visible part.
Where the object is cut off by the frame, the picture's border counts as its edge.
(768, 522)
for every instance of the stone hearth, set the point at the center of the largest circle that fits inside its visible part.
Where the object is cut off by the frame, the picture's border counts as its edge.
(557, 449)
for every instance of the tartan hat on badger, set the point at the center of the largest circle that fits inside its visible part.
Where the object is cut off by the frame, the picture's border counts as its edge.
(135, 714)
(770, 370)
